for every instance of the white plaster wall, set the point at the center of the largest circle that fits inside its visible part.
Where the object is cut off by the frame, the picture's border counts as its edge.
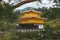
(40, 26)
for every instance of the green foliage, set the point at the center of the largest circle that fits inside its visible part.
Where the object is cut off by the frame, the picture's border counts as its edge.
(8, 20)
(7, 13)
(52, 13)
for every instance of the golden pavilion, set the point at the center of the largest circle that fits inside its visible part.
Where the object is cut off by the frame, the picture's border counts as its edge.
(31, 19)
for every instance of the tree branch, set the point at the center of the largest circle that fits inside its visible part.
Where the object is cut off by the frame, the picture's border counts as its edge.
(0, 0)
(23, 2)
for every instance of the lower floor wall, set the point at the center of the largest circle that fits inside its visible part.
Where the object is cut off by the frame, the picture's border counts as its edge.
(30, 26)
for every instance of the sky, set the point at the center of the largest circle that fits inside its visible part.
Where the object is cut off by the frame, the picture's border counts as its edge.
(36, 4)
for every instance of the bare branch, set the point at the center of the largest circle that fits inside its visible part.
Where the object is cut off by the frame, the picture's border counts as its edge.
(0, 0)
(23, 2)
